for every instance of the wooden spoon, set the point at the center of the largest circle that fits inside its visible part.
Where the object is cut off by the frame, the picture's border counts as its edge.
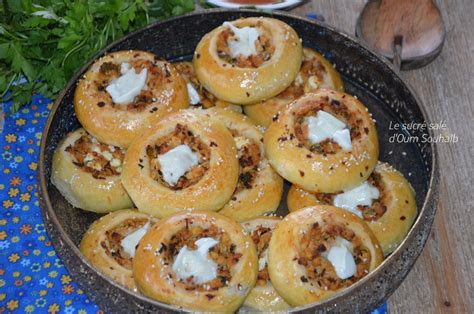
(411, 33)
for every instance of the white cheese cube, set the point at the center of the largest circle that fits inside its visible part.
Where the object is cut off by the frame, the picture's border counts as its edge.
(194, 97)
(127, 86)
(363, 194)
(130, 242)
(326, 126)
(342, 261)
(244, 42)
(196, 263)
(176, 163)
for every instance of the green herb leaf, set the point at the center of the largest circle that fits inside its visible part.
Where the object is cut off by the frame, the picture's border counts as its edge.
(4, 50)
(47, 41)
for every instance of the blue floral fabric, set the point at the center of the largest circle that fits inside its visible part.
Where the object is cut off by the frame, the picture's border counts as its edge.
(32, 277)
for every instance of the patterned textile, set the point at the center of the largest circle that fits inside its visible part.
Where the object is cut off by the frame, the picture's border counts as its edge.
(32, 277)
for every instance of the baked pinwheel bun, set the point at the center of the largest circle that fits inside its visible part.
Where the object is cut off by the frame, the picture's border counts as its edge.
(125, 92)
(386, 201)
(263, 297)
(87, 173)
(316, 72)
(317, 251)
(198, 95)
(199, 260)
(187, 161)
(325, 141)
(248, 60)
(109, 244)
(259, 187)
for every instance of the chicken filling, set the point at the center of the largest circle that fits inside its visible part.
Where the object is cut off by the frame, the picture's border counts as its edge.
(261, 237)
(263, 46)
(311, 76)
(224, 254)
(335, 108)
(249, 156)
(186, 69)
(319, 270)
(157, 78)
(113, 240)
(181, 135)
(98, 159)
(369, 213)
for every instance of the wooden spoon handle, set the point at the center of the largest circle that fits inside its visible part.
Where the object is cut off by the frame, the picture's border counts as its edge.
(419, 23)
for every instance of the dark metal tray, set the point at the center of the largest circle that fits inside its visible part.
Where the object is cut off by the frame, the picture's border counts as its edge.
(366, 75)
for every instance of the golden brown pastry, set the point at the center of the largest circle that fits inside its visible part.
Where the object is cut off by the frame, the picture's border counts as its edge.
(198, 95)
(259, 187)
(87, 173)
(199, 260)
(109, 244)
(389, 213)
(317, 251)
(325, 141)
(125, 92)
(316, 72)
(187, 161)
(263, 297)
(248, 60)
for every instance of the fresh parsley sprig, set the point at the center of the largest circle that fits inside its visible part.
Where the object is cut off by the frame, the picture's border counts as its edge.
(43, 42)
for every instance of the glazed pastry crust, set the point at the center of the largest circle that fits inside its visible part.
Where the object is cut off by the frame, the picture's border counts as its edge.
(393, 226)
(298, 198)
(211, 192)
(92, 249)
(285, 272)
(119, 127)
(80, 188)
(318, 172)
(249, 85)
(401, 212)
(208, 100)
(321, 74)
(264, 298)
(152, 281)
(265, 194)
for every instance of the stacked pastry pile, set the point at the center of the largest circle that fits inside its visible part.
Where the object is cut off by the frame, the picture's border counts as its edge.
(171, 140)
